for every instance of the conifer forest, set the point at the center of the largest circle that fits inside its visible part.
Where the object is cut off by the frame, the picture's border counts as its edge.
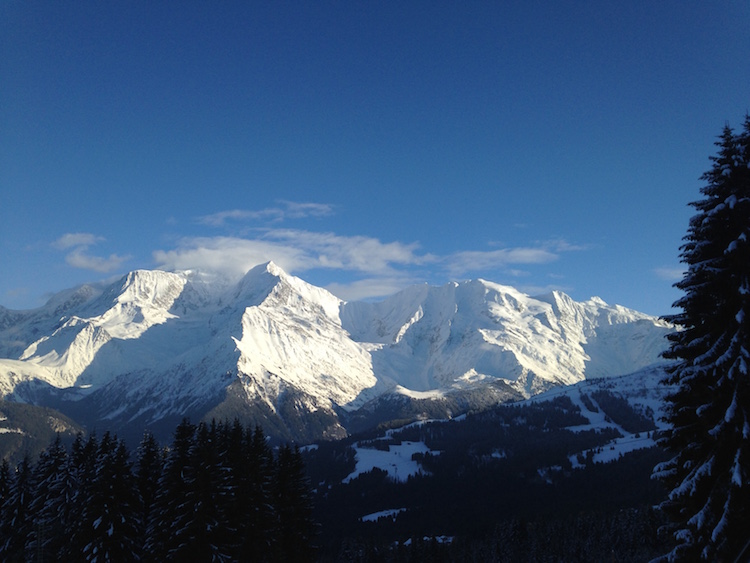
(216, 493)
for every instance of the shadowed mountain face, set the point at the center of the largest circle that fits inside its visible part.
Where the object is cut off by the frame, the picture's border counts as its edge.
(270, 348)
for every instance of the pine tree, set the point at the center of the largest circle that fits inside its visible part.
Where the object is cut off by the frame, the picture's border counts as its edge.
(256, 493)
(709, 413)
(162, 536)
(293, 504)
(5, 480)
(232, 451)
(83, 455)
(50, 507)
(16, 520)
(112, 509)
(200, 521)
(148, 472)
(111, 512)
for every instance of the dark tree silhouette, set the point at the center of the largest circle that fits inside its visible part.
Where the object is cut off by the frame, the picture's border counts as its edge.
(709, 413)
(217, 494)
(295, 527)
(15, 516)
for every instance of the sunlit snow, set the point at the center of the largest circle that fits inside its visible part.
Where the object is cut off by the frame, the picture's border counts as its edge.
(167, 339)
(397, 461)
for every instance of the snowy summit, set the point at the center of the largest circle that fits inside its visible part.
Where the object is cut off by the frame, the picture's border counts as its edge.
(157, 345)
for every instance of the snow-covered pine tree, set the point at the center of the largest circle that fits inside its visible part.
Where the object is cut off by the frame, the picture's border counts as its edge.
(709, 413)
(200, 525)
(295, 527)
(5, 479)
(148, 470)
(82, 469)
(54, 491)
(232, 451)
(111, 512)
(256, 493)
(15, 513)
(164, 534)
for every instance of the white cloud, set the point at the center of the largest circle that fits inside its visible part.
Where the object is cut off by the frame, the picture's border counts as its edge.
(69, 240)
(79, 257)
(220, 218)
(461, 263)
(286, 210)
(466, 262)
(231, 255)
(670, 274)
(356, 253)
(370, 288)
(293, 250)
(385, 267)
(561, 245)
(297, 210)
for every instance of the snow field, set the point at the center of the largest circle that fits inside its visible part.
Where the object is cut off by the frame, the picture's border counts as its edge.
(397, 461)
(642, 390)
(375, 516)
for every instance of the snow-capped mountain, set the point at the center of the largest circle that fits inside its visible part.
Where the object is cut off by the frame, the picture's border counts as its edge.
(156, 346)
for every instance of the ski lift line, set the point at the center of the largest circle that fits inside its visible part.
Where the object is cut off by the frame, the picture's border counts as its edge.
(743, 552)
(622, 442)
(550, 394)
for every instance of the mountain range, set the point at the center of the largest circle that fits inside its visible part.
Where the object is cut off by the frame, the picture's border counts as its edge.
(153, 347)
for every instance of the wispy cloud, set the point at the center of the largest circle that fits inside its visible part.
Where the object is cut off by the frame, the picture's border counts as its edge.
(285, 210)
(294, 250)
(382, 268)
(70, 240)
(354, 253)
(471, 261)
(230, 255)
(297, 210)
(468, 261)
(670, 274)
(79, 256)
(370, 288)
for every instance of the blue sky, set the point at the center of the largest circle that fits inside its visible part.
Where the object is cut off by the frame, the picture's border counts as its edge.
(363, 146)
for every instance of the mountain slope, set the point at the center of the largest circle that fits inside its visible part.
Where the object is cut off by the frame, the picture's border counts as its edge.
(155, 346)
(459, 334)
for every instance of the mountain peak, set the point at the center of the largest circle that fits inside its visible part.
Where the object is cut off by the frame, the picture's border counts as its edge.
(269, 267)
(274, 269)
(258, 282)
(152, 341)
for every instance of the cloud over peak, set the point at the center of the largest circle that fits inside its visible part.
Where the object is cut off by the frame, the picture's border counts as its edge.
(293, 250)
(78, 245)
(380, 268)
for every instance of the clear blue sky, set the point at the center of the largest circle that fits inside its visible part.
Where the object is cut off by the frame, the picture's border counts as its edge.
(363, 146)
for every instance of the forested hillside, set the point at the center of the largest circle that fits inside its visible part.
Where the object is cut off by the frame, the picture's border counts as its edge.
(216, 493)
(517, 483)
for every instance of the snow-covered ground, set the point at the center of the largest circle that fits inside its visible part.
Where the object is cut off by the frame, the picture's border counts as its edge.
(642, 390)
(375, 516)
(397, 461)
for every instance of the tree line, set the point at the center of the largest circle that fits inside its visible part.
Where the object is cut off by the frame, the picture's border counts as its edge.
(218, 492)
